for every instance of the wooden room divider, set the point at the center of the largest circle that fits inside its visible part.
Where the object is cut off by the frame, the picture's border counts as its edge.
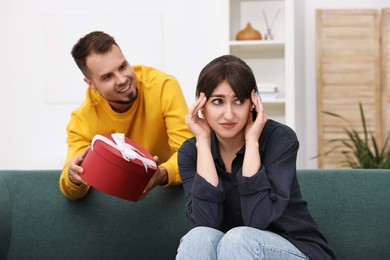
(353, 63)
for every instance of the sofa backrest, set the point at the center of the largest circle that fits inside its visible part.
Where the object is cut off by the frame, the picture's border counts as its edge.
(351, 207)
(38, 222)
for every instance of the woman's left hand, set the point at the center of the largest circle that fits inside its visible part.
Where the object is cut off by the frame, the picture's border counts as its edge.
(254, 128)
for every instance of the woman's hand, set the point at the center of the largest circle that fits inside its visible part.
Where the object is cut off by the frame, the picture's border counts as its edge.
(199, 126)
(253, 129)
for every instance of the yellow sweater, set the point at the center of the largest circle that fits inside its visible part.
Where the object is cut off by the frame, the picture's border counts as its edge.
(155, 121)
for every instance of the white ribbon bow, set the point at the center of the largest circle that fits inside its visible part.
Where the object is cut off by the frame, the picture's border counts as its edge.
(128, 151)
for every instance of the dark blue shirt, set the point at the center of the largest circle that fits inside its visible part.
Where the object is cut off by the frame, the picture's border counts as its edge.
(269, 200)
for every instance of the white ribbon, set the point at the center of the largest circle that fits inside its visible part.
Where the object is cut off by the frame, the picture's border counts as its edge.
(128, 151)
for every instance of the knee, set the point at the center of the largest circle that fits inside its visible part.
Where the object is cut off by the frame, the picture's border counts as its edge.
(237, 242)
(202, 237)
(255, 243)
(243, 237)
(201, 242)
(234, 237)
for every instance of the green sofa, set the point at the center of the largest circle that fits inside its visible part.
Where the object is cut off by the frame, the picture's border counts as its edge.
(352, 208)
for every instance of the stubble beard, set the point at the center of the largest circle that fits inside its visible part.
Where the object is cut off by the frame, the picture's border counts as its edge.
(131, 98)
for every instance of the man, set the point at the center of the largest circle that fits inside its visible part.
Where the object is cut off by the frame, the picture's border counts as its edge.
(145, 104)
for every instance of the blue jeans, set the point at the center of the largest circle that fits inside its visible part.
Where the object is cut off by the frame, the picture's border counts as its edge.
(241, 243)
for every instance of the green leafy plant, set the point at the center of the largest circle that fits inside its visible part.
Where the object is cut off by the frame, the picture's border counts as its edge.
(361, 152)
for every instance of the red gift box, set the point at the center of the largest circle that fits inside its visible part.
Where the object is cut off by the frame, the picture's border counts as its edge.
(118, 166)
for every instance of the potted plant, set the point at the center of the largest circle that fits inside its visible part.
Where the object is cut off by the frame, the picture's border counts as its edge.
(361, 152)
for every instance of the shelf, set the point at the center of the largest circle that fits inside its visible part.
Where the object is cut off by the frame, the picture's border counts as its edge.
(242, 12)
(258, 46)
(275, 61)
(269, 59)
(264, 43)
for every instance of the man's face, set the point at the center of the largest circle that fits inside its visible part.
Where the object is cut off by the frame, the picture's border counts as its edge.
(113, 77)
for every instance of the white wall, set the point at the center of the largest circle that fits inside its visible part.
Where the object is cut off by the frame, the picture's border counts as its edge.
(40, 84)
(2, 85)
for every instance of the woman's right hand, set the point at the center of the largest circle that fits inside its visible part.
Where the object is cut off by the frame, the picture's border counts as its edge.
(198, 125)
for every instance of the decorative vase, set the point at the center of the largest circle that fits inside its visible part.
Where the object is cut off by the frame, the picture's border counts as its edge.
(248, 33)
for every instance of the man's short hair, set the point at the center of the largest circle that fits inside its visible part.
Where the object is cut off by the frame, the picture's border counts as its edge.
(95, 42)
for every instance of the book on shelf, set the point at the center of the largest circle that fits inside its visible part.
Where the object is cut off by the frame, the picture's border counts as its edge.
(269, 96)
(268, 91)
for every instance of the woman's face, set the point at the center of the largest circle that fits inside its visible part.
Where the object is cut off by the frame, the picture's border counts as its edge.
(225, 113)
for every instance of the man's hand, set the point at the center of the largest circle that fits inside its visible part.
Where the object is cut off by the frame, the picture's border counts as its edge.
(160, 177)
(75, 170)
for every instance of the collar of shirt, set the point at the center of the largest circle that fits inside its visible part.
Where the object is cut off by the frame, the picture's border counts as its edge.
(215, 147)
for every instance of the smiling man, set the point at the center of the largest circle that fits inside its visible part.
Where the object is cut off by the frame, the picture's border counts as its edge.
(145, 104)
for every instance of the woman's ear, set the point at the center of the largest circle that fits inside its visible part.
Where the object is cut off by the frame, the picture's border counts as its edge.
(201, 113)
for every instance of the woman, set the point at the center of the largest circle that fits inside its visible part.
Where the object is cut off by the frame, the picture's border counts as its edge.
(239, 175)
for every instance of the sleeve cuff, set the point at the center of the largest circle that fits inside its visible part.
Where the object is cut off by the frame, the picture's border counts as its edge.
(203, 190)
(70, 190)
(173, 174)
(254, 184)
